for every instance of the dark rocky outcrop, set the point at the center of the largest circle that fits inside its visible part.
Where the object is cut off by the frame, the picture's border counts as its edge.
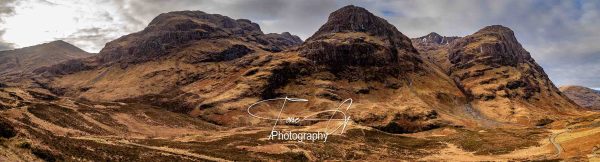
(408, 123)
(230, 53)
(6, 129)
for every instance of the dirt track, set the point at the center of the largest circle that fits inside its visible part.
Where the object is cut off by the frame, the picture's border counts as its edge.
(557, 146)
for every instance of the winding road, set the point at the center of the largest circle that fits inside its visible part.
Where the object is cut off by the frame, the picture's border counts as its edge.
(557, 146)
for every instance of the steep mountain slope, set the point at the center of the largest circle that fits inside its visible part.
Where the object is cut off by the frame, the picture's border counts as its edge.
(19, 62)
(501, 79)
(583, 96)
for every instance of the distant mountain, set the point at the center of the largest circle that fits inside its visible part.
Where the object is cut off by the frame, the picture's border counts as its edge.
(23, 61)
(434, 48)
(583, 96)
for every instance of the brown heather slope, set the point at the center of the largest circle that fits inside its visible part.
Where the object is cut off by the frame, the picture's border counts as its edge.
(501, 78)
(18, 63)
(583, 96)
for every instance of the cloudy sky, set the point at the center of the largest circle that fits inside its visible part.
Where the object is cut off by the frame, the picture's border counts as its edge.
(562, 35)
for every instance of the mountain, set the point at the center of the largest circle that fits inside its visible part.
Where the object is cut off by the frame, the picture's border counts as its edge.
(434, 48)
(583, 96)
(179, 61)
(361, 56)
(352, 36)
(18, 62)
(179, 32)
(500, 78)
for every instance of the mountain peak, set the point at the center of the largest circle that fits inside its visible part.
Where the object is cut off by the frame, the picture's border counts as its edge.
(25, 60)
(357, 19)
(496, 44)
(58, 42)
(354, 36)
(433, 34)
(496, 29)
(60, 45)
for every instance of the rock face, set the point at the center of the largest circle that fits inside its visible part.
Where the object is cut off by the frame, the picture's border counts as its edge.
(354, 36)
(21, 62)
(500, 77)
(583, 96)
